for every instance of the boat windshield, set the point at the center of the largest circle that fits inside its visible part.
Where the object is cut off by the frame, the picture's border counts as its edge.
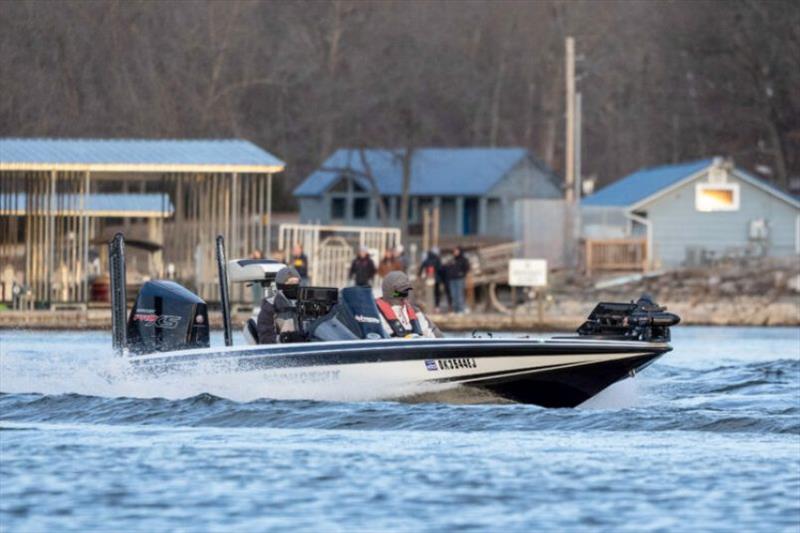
(354, 317)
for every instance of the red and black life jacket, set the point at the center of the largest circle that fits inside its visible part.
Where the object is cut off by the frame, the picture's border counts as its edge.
(391, 317)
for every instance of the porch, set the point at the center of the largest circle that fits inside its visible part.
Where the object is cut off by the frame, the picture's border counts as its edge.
(628, 254)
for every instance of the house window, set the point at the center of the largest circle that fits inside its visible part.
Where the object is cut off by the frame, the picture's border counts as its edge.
(387, 205)
(360, 208)
(716, 197)
(337, 208)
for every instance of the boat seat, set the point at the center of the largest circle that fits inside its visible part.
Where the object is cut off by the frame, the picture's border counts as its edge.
(250, 331)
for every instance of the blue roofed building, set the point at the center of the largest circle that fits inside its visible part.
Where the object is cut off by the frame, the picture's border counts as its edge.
(474, 188)
(130, 205)
(688, 213)
(143, 155)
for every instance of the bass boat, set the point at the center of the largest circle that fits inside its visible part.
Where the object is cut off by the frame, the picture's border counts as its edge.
(345, 348)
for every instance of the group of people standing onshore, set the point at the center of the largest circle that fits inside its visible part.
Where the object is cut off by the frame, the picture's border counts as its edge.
(363, 269)
(449, 278)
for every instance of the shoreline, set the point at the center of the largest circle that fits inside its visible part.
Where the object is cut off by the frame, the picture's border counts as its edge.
(564, 315)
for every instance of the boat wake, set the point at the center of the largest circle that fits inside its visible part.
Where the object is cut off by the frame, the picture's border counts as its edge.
(98, 372)
(206, 410)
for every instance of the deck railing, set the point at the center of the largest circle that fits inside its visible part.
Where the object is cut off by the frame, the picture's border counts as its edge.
(627, 254)
(492, 266)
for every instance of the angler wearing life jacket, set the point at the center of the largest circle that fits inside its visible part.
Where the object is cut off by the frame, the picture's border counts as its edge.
(398, 316)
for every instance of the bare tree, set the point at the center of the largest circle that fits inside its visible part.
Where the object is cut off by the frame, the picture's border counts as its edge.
(661, 82)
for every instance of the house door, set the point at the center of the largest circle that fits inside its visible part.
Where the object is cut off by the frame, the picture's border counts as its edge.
(470, 216)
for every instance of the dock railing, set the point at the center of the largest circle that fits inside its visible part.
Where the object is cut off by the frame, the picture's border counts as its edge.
(492, 266)
(622, 254)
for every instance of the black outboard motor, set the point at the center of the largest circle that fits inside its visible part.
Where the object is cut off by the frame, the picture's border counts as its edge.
(167, 317)
(642, 320)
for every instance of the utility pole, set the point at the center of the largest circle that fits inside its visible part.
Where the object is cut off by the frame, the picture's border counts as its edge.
(578, 145)
(569, 174)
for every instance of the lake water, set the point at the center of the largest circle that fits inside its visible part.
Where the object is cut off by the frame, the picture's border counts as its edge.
(707, 438)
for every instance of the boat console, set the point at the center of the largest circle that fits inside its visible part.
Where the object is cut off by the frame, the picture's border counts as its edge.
(355, 316)
(314, 302)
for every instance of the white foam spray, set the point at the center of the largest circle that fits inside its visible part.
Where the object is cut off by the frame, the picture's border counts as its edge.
(620, 395)
(84, 363)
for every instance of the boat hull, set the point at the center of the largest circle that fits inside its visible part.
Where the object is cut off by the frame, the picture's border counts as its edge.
(569, 386)
(550, 373)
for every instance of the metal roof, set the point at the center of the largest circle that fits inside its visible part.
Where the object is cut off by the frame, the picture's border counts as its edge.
(435, 171)
(644, 184)
(145, 205)
(136, 155)
(635, 187)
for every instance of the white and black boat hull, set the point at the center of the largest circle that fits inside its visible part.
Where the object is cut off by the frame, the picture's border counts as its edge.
(551, 373)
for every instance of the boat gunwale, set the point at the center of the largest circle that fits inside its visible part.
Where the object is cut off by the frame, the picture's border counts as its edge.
(342, 352)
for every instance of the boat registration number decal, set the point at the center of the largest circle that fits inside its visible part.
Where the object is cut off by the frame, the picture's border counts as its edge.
(450, 364)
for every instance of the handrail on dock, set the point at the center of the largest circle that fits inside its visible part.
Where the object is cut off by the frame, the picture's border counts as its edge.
(620, 254)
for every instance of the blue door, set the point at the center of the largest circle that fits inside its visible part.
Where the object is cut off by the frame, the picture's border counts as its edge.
(470, 216)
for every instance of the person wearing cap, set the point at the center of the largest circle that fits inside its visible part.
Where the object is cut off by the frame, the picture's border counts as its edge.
(277, 320)
(362, 269)
(398, 316)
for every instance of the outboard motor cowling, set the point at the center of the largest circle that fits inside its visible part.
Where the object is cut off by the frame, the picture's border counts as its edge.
(167, 317)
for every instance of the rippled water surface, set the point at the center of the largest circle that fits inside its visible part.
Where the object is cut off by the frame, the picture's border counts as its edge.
(706, 438)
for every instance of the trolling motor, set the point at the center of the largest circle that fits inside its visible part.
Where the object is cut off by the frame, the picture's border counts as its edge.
(643, 320)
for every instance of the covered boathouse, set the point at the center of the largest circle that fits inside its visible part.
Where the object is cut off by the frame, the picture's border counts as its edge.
(62, 199)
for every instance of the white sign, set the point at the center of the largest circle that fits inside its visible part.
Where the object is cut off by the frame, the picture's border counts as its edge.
(527, 272)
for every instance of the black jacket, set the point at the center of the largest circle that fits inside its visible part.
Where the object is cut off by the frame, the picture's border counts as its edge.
(277, 315)
(458, 267)
(433, 262)
(363, 270)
